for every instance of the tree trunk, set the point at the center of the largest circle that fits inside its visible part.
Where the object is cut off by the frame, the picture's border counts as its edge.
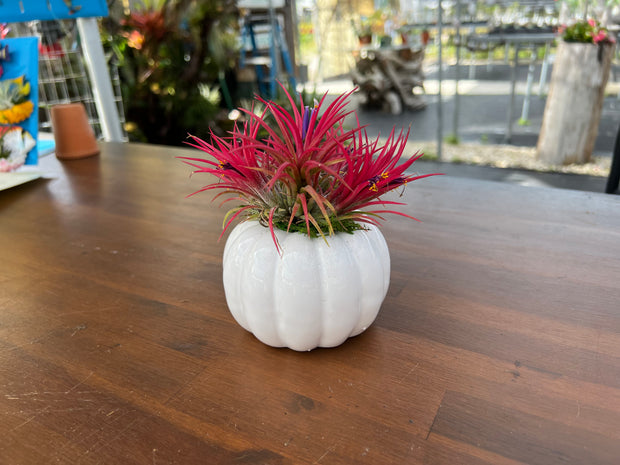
(575, 102)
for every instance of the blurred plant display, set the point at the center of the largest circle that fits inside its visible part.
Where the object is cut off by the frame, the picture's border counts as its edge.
(174, 58)
(589, 32)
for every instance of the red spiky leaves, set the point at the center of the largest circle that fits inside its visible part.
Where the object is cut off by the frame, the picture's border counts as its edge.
(302, 170)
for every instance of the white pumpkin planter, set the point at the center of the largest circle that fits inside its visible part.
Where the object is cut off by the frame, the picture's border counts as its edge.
(313, 294)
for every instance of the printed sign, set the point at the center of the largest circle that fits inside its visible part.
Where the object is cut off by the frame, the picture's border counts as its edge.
(19, 101)
(16, 11)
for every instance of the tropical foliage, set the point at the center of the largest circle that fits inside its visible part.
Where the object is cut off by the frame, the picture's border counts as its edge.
(173, 57)
(309, 173)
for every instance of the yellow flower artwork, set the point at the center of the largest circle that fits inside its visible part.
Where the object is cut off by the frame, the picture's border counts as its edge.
(14, 103)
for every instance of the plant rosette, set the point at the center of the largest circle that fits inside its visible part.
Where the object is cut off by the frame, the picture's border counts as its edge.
(308, 266)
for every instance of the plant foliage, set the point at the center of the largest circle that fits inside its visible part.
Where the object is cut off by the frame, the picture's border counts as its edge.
(309, 173)
(173, 56)
(589, 32)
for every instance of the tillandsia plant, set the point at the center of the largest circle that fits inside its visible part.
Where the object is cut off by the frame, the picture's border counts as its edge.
(586, 31)
(309, 174)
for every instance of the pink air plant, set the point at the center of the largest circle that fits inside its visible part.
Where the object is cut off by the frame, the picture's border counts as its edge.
(308, 173)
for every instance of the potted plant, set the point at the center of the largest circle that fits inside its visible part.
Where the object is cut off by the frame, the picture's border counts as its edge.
(366, 26)
(308, 266)
(580, 74)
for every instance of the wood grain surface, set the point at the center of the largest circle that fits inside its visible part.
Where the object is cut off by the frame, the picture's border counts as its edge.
(498, 342)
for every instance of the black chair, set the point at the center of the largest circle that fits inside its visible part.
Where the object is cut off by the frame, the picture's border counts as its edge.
(614, 173)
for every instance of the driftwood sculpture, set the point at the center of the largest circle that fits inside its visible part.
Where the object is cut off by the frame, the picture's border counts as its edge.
(387, 77)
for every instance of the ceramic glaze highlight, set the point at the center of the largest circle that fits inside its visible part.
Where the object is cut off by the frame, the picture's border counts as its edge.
(314, 294)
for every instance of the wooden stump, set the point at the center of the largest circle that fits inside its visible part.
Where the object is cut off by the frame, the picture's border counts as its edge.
(574, 104)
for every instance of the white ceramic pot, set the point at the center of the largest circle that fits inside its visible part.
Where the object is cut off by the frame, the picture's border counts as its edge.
(313, 294)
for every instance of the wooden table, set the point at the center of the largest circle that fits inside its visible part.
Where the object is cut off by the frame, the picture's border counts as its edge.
(498, 343)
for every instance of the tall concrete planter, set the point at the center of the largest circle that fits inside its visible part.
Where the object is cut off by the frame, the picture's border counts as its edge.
(575, 102)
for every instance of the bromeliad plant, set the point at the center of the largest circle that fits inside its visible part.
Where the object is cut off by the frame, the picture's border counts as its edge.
(586, 31)
(308, 173)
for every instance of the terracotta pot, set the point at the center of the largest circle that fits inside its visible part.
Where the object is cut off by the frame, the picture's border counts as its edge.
(365, 39)
(425, 37)
(73, 134)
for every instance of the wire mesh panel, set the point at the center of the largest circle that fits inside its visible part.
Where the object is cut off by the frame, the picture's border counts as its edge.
(63, 77)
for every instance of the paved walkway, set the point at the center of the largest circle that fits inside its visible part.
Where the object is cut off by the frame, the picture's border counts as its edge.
(483, 117)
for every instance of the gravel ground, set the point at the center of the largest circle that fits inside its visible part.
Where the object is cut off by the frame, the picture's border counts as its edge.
(508, 156)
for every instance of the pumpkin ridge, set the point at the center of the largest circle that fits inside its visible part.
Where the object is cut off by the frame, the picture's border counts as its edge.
(232, 276)
(355, 239)
(277, 271)
(384, 259)
(322, 295)
(380, 257)
(274, 317)
(266, 327)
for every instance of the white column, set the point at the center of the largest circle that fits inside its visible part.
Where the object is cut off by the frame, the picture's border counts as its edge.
(100, 79)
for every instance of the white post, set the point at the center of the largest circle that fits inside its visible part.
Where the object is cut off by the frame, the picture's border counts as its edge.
(513, 87)
(100, 79)
(544, 71)
(472, 65)
(525, 111)
(439, 79)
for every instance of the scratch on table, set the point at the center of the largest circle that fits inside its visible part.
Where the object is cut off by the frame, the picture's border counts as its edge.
(99, 444)
(25, 394)
(29, 419)
(14, 396)
(80, 383)
(578, 409)
(91, 310)
(33, 341)
(329, 449)
(78, 328)
(95, 432)
(408, 373)
(24, 423)
(184, 386)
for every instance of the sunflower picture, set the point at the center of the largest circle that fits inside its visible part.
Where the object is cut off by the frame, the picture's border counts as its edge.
(15, 105)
